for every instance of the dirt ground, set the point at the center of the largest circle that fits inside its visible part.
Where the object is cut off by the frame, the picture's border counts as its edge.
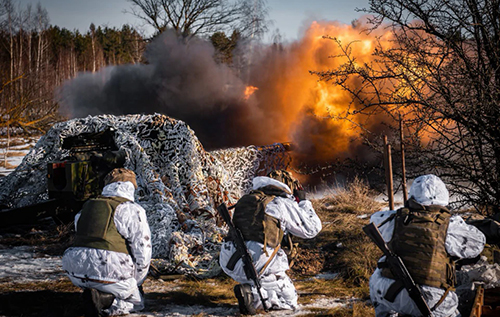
(32, 282)
(50, 293)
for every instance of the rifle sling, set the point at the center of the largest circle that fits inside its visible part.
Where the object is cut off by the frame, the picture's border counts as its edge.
(397, 286)
(233, 260)
(269, 260)
(448, 289)
(382, 265)
(237, 256)
(394, 290)
(386, 220)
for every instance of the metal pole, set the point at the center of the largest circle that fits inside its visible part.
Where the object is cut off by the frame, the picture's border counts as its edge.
(403, 163)
(388, 172)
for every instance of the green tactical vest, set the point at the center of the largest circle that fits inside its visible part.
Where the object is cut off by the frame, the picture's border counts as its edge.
(96, 227)
(419, 239)
(250, 217)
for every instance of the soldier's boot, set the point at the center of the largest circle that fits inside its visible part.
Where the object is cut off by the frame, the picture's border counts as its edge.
(244, 295)
(106, 300)
(95, 301)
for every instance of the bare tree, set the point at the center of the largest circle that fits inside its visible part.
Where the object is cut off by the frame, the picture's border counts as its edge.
(200, 17)
(24, 101)
(253, 23)
(42, 23)
(442, 74)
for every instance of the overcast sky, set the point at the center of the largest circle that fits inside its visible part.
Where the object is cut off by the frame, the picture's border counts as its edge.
(289, 16)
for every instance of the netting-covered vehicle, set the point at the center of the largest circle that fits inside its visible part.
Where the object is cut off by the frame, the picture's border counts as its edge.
(180, 184)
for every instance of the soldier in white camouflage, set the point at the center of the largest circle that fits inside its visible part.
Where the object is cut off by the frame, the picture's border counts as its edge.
(264, 216)
(428, 238)
(111, 254)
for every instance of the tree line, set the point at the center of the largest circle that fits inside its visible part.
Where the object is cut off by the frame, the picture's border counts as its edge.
(36, 57)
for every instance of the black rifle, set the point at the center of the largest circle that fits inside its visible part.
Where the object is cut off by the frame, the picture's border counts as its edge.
(398, 269)
(241, 248)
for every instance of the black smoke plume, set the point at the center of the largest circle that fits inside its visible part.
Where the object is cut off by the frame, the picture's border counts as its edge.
(182, 80)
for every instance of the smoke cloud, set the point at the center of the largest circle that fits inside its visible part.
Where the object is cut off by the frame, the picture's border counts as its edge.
(183, 81)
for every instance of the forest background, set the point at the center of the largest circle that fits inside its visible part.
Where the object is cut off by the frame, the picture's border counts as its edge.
(36, 57)
(434, 72)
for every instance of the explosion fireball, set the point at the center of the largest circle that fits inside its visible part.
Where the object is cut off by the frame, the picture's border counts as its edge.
(287, 102)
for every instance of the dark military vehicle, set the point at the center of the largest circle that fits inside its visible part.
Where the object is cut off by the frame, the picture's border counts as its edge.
(72, 180)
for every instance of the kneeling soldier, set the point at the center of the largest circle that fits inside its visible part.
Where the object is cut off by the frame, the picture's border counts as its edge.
(427, 237)
(263, 216)
(111, 253)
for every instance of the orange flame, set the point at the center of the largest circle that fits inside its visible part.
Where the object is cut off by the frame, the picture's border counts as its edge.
(302, 109)
(249, 90)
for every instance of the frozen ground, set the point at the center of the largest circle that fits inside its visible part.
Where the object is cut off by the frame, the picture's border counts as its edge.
(22, 266)
(15, 152)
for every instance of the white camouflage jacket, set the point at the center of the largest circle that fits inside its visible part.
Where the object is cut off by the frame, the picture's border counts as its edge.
(462, 241)
(109, 266)
(298, 219)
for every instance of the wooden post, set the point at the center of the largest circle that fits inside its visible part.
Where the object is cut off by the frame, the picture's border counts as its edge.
(388, 172)
(403, 163)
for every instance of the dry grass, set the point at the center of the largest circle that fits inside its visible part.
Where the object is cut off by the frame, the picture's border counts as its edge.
(357, 309)
(356, 198)
(15, 153)
(312, 289)
(7, 165)
(63, 285)
(52, 241)
(341, 246)
(49, 299)
(188, 291)
(14, 141)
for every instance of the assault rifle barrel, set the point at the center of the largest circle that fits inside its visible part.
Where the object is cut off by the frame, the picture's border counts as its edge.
(239, 242)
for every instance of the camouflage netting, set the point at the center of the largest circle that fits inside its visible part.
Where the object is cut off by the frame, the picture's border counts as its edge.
(179, 182)
(482, 272)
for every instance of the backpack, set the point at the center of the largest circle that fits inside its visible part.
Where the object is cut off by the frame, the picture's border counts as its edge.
(250, 218)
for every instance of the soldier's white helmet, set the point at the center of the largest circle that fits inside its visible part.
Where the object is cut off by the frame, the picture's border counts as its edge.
(429, 190)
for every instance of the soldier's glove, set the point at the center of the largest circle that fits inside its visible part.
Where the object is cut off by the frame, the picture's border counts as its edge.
(299, 194)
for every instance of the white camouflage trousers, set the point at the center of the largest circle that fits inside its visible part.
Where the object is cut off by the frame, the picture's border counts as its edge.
(277, 288)
(278, 292)
(127, 296)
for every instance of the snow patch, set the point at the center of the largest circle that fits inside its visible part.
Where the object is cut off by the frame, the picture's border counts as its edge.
(24, 264)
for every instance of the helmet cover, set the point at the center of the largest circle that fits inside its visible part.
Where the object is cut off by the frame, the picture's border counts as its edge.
(429, 190)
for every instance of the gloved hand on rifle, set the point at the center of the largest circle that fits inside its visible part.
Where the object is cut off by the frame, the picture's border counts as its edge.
(300, 195)
(298, 191)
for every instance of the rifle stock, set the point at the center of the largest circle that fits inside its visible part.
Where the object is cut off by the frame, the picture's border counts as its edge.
(398, 269)
(246, 257)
